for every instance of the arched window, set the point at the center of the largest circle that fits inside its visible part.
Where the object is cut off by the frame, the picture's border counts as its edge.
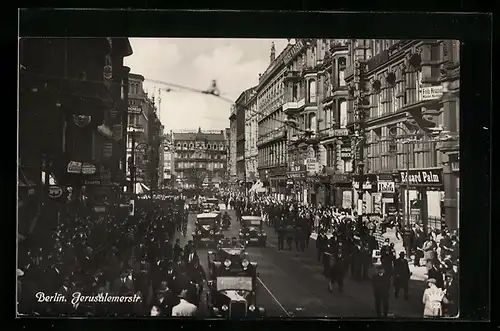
(191, 146)
(312, 90)
(185, 146)
(178, 145)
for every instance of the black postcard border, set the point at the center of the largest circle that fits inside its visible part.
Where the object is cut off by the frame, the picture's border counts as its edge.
(474, 31)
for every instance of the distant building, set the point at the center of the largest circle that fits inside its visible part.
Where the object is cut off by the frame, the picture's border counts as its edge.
(200, 157)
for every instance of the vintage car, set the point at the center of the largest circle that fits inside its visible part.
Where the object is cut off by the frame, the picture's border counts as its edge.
(251, 231)
(207, 229)
(232, 296)
(232, 259)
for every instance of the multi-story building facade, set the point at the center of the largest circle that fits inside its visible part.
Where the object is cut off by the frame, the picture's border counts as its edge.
(242, 109)
(70, 101)
(271, 142)
(233, 180)
(155, 147)
(137, 128)
(251, 136)
(200, 157)
(334, 148)
(411, 86)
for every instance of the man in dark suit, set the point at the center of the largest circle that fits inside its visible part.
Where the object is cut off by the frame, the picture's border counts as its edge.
(401, 275)
(451, 288)
(381, 284)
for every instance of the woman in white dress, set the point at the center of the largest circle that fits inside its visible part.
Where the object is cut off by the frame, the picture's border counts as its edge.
(432, 299)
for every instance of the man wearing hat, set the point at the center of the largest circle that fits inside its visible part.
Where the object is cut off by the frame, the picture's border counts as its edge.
(451, 290)
(381, 284)
(401, 275)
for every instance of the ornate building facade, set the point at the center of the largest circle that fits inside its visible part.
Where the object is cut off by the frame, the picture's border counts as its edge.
(251, 136)
(200, 157)
(412, 90)
(271, 142)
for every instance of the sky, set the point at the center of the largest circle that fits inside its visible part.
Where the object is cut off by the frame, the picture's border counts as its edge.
(234, 63)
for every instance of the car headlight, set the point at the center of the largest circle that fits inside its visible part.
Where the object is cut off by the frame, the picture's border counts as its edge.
(251, 308)
(227, 263)
(225, 308)
(244, 263)
(247, 234)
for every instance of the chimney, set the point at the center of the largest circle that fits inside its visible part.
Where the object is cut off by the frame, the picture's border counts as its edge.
(273, 52)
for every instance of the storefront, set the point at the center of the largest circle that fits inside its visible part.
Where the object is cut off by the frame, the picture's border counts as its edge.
(277, 182)
(295, 184)
(385, 195)
(341, 188)
(363, 189)
(421, 195)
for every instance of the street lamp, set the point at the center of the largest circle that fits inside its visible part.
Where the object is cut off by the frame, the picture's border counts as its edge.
(392, 133)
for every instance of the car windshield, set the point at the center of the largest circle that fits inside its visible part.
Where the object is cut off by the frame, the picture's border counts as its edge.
(212, 201)
(206, 221)
(230, 243)
(252, 223)
(234, 283)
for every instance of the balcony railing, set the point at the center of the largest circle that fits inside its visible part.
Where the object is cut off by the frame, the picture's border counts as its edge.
(293, 106)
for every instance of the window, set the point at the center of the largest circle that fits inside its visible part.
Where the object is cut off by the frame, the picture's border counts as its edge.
(312, 91)
(418, 83)
(343, 113)
(312, 122)
(341, 68)
(185, 146)
(191, 146)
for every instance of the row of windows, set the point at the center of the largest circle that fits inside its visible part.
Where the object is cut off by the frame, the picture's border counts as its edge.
(392, 161)
(135, 88)
(204, 165)
(209, 146)
(198, 156)
(273, 155)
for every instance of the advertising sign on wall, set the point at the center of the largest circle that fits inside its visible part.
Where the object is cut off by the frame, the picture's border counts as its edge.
(386, 187)
(422, 177)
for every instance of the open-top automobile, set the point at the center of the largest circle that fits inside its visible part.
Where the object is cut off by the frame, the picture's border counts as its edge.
(232, 296)
(251, 231)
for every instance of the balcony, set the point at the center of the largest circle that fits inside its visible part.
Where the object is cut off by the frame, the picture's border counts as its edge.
(290, 107)
(273, 135)
(292, 75)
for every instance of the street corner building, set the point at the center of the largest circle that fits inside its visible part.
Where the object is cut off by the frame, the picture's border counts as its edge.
(363, 124)
(403, 102)
(199, 158)
(73, 100)
(145, 139)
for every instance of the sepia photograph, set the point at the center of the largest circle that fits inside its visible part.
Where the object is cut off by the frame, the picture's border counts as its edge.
(238, 178)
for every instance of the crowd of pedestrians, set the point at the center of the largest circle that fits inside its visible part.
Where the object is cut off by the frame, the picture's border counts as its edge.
(347, 244)
(117, 255)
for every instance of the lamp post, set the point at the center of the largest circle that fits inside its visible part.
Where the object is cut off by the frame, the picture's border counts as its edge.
(407, 193)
